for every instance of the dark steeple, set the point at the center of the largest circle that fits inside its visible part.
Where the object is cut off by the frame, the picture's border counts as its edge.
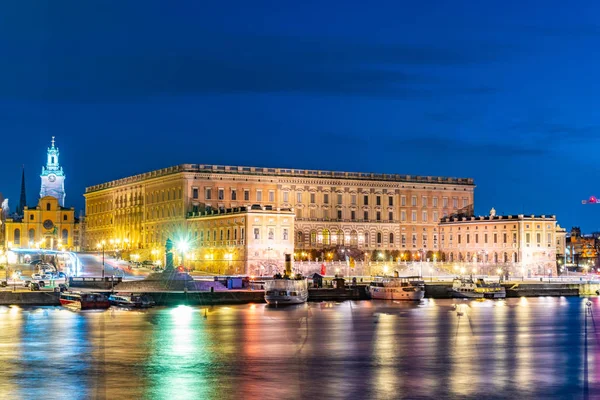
(23, 199)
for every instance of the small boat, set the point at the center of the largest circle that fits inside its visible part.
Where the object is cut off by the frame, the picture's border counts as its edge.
(131, 300)
(84, 301)
(397, 288)
(286, 291)
(466, 288)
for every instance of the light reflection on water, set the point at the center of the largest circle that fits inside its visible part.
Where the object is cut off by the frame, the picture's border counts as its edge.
(519, 348)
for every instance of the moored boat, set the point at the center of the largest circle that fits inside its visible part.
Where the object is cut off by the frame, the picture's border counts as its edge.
(469, 289)
(397, 288)
(131, 300)
(286, 289)
(84, 301)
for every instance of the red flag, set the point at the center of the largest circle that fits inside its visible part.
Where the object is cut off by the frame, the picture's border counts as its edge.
(323, 269)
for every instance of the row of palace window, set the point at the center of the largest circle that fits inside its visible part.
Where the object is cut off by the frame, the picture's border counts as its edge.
(224, 234)
(366, 215)
(31, 234)
(208, 195)
(538, 238)
(325, 238)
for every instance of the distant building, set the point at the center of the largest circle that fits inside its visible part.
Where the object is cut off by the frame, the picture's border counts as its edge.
(582, 248)
(47, 225)
(522, 245)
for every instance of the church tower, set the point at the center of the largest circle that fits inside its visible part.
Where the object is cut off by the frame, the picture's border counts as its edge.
(53, 177)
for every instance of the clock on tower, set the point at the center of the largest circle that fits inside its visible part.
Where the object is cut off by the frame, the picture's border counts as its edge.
(53, 177)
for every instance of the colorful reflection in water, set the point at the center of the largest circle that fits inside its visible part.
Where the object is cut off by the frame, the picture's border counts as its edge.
(519, 348)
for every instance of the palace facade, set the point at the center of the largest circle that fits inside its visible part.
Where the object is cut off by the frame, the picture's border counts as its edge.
(365, 211)
(526, 244)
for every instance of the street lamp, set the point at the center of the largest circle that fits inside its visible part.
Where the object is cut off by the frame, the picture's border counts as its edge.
(183, 246)
(101, 245)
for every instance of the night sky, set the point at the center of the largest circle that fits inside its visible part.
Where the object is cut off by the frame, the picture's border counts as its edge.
(507, 94)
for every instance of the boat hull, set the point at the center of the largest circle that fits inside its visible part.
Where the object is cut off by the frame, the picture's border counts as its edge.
(281, 300)
(286, 291)
(466, 295)
(395, 293)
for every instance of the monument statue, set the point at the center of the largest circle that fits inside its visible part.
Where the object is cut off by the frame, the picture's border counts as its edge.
(169, 255)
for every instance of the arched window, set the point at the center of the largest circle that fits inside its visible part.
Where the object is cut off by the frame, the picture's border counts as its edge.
(367, 239)
(379, 237)
(65, 217)
(65, 236)
(299, 239)
(313, 238)
(326, 237)
(17, 236)
(221, 234)
(228, 234)
(47, 206)
(341, 238)
(496, 258)
(505, 257)
(451, 257)
(353, 238)
(391, 238)
(32, 235)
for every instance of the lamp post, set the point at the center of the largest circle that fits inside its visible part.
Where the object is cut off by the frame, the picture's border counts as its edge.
(183, 246)
(101, 245)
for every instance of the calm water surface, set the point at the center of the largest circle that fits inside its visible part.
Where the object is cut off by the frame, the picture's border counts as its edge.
(519, 348)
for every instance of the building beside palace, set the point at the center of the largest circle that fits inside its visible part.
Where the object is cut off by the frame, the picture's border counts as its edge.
(48, 224)
(582, 249)
(527, 244)
(371, 213)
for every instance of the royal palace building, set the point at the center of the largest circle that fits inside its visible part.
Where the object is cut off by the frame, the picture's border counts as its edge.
(363, 211)
(522, 245)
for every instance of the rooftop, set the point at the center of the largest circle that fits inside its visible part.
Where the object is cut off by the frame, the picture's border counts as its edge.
(260, 171)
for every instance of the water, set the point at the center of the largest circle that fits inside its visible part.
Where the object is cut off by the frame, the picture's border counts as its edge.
(519, 348)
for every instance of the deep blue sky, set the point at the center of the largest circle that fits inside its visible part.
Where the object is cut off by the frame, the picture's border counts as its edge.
(507, 94)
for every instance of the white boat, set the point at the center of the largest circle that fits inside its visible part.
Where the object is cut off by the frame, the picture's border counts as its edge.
(466, 288)
(131, 300)
(398, 288)
(281, 291)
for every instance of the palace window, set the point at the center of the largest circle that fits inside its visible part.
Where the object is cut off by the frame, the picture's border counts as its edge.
(258, 195)
(246, 195)
(390, 201)
(233, 194)
(207, 193)
(378, 215)
(403, 201)
(366, 215)
(271, 196)
(414, 201)
(286, 196)
(435, 201)
(325, 198)
(378, 200)
(221, 194)
(194, 193)
(391, 215)
(298, 197)
(366, 200)
(353, 215)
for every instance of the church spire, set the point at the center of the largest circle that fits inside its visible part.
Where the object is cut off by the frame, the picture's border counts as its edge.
(23, 198)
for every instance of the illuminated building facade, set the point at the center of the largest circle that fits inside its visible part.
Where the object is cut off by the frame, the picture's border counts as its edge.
(48, 225)
(526, 245)
(369, 212)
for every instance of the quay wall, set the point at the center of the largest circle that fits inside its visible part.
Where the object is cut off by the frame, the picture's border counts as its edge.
(29, 298)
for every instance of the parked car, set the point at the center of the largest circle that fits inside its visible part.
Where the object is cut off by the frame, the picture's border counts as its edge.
(46, 276)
